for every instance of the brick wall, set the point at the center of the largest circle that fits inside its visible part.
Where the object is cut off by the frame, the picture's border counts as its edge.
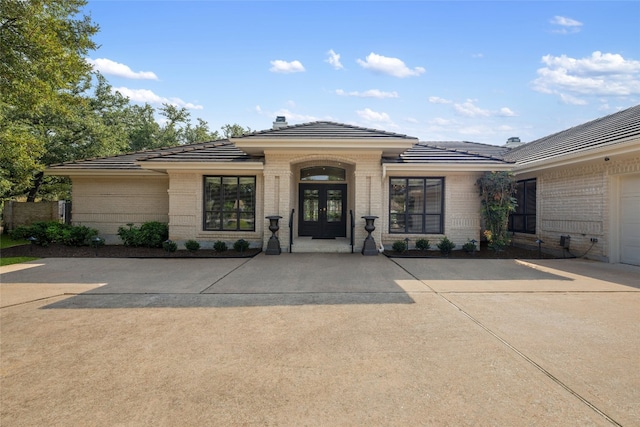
(106, 203)
(15, 214)
(462, 220)
(577, 202)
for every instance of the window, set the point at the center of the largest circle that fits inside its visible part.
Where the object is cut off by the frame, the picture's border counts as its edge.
(322, 173)
(416, 205)
(229, 203)
(523, 220)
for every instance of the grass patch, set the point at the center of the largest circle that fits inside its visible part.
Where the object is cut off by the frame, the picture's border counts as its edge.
(15, 260)
(7, 242)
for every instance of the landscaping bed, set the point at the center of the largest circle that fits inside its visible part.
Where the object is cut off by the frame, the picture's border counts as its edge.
(118, 251)
(510, 252)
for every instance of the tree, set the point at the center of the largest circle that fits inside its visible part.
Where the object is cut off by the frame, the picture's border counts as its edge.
(235, 129)
(497, 191)
(41, 64)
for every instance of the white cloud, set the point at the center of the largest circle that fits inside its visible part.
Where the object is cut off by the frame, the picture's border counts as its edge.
(109, 67)
(506, 112)
(391, 66)
(371, 93)
(438, 100)
(373, 116)
(147, 96)
(279, 66)
(568, 25)
(439, 121)
(601, 74)
(334, 60)
(477, 55)
(468, 109)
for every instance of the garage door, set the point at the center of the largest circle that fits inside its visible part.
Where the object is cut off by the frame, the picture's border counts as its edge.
(630, 220)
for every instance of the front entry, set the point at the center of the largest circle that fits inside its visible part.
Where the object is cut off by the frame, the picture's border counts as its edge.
(322, 211)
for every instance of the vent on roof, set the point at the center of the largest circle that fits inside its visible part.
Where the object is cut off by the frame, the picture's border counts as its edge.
(281, 121)
(513, 142)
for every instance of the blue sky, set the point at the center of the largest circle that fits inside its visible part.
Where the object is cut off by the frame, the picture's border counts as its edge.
(474, 71)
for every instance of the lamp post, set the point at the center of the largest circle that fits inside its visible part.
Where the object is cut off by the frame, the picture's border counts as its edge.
(273, 246)
(96, 242)
(32, 240)
(369, 247)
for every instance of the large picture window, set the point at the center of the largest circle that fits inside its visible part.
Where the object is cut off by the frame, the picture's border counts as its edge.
(416, 205)
(523, 220)
(229, 203)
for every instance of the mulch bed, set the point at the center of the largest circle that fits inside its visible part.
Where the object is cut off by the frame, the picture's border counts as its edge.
(510, 252)
(117, 251)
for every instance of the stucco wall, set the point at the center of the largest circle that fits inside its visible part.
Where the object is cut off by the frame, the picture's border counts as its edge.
(106, 203)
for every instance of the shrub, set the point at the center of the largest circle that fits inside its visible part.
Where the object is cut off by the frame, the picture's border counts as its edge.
(423, 244)
(446, 246)
(192, 245)
(150, 234)
(220, 246)
(79, 235)
(399, 246)
(241, 245)
(47, 232)
(469, 247)
(169, 246)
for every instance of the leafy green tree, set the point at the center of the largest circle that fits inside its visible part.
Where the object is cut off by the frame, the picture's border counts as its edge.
(231, 130)
(44, 43)
(497, 191)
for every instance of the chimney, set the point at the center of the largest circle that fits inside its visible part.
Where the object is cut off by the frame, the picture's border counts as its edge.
(281, 122)
(513, 142)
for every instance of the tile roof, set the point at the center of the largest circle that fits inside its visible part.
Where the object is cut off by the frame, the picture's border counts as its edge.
(322, 130)
(605, 131)
(454, 152)
(213, 151)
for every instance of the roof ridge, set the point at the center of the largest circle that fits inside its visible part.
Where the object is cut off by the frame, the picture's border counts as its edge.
(329, 122)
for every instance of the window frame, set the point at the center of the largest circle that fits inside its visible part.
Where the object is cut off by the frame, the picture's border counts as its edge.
(424, 209)
(237, 210)
(524, 212)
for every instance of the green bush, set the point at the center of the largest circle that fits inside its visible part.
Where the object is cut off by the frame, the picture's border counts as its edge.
(240, 245)
(446, 246)
(169, 246)
(192, 245)
(399, 246)
(79, 235)
(150, 234)
(423, 244)
(220, 246)
(469, 247)
(47, 232)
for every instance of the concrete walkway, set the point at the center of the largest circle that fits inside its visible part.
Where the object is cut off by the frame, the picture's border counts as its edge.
(309, 339)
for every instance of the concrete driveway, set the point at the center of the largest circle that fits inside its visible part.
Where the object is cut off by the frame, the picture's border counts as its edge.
(308, 339)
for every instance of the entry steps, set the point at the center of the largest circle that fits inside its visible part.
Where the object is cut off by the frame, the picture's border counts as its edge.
(310, 245)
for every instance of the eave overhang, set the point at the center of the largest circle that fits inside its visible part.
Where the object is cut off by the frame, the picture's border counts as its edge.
(71, 172)
(389, 168)
(200, 166)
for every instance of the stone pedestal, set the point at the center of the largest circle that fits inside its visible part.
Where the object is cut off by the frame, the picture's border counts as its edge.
(273, 246)
(369, 247)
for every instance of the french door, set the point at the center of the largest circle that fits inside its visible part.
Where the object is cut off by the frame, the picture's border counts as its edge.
(322, 211)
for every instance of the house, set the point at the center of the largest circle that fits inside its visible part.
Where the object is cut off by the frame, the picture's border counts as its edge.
(322, 178)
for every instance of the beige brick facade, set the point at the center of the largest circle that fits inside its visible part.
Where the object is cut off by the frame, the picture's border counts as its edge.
(580, 202)
(106, 203)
